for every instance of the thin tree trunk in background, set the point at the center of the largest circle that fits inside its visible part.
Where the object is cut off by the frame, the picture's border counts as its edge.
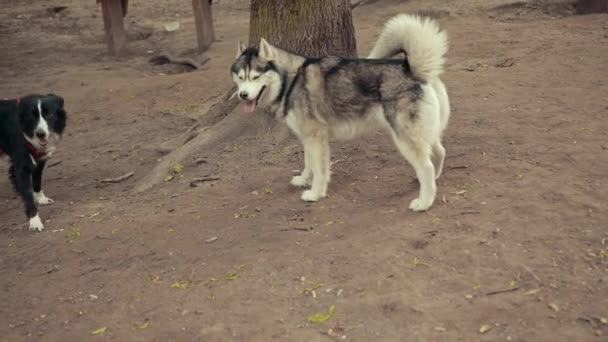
(309, 28)
(205, 33)
(591, 6)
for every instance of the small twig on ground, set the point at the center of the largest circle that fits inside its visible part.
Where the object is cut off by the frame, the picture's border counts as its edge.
(595, 322)
(54, 163)
(192, 275)
(470, 212)
(196, 180)
(174, 84)
(512, 289)
(456, 155)
(118, 179)
(302, 229)
(529, 270)
(94, 269)
(458, 167)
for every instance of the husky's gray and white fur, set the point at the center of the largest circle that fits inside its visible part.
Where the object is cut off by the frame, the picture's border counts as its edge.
(337, 98)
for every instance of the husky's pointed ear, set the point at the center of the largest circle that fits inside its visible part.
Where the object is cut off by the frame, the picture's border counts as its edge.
(240, 49)
(266, 50)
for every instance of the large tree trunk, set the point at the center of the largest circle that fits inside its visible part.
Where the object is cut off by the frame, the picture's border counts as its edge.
(310, 28)
(591, 6)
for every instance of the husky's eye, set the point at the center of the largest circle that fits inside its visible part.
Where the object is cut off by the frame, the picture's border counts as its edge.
(240, 77)
(255, 77)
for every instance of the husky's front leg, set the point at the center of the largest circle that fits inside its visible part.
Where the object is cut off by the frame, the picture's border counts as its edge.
(318, 146)
(305, 178)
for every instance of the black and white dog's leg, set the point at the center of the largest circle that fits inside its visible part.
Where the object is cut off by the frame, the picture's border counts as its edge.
(39, 195)
(21, 176)
(305, 178)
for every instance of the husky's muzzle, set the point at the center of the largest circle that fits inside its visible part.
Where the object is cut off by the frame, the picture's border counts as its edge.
(249, 106)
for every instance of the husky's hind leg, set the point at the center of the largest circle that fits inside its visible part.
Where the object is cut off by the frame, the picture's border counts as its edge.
(438, 158)
(318, 146)
(418, 154)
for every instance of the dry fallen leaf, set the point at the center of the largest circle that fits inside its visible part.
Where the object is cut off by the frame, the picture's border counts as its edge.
(211, 239)
(180, 285)
(231, 276)
(484, 328)
(99, 331)
(143, 326)
(310, 289)
(178, 168)
(532, 292)
(415, 262)
(554, 307)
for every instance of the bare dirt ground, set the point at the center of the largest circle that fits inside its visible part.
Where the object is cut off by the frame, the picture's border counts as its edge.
(521, 207)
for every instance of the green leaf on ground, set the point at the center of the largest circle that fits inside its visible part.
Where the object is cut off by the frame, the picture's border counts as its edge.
(321, 317)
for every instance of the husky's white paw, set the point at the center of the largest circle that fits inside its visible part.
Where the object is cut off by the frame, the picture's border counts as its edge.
(41, 198)
(300, 181)
(36, 224)
(418, 205)
(310, 196)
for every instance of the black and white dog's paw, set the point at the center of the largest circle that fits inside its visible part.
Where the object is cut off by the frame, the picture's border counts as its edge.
(41, 198)
(36, 224)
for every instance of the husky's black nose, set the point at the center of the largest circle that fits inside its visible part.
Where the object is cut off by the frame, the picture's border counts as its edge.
(40, 134)
(243, 95)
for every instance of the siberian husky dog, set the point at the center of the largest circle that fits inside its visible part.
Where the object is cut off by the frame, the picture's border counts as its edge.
(337, 98)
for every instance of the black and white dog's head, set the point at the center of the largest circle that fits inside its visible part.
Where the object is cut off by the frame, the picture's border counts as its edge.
(40, 117)
(260, 74)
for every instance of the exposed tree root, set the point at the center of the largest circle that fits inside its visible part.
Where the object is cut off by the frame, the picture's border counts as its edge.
(232, 125)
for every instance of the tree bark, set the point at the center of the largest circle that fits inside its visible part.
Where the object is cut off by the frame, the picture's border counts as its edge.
(591, 6)
(310, 28)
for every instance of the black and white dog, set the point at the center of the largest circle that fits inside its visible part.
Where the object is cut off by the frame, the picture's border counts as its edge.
(26, 126)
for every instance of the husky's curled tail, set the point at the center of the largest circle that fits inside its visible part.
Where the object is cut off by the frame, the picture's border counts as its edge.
(422, 40)
(425, 46)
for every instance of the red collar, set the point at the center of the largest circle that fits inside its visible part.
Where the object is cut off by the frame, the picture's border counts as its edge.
(18, 101)
(36, 153)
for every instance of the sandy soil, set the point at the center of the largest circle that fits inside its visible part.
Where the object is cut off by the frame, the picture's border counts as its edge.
(522, 205)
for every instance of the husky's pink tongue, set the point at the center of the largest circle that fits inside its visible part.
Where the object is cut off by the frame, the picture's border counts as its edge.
(249, 106)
